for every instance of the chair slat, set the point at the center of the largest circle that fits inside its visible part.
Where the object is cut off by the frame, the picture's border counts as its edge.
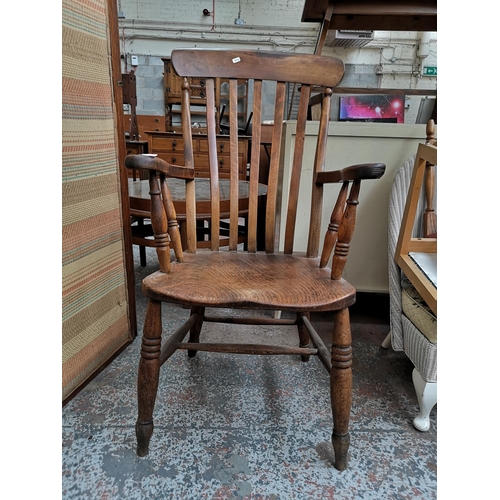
(272, 186)
(254, 167)
(214, 165)
(188, 155)
(298, 154)
(233, 127)
(317, 189)
(159, 223)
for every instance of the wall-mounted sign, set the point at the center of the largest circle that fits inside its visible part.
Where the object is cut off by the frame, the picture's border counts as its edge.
(430, 71)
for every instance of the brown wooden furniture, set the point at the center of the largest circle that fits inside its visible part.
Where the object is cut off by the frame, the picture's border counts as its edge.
(270, 280)
(169, 146)
(417, 257)
(140, 201)
(392, 15)
(129, 91)
(136, 148)
(197, 85)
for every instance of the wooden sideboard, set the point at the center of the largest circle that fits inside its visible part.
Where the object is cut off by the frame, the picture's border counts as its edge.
(169, 146)
(136, 148)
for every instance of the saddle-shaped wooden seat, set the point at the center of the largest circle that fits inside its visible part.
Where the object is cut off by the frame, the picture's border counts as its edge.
(270, 279)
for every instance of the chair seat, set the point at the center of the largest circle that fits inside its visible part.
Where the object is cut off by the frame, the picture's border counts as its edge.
(241, 280)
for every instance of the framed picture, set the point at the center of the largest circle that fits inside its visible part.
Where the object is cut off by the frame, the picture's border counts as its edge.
(379, 108)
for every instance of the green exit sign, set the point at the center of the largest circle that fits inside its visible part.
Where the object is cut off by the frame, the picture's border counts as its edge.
(430, 71)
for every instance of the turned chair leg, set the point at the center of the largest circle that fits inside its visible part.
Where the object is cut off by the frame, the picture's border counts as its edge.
(194, 333)
(427, 399)
(304, 338)
(341, 386)
(148, 376)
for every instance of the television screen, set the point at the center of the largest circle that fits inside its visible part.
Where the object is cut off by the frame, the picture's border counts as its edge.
(372, 108)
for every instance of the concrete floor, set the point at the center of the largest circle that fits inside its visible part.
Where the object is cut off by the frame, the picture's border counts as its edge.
(249, 427)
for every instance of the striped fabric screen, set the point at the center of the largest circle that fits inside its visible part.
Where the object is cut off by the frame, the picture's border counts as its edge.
(95, 320)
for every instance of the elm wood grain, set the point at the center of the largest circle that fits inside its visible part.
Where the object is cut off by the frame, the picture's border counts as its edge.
(248, 279)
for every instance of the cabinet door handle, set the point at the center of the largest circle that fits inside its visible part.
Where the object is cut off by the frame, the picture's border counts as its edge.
(174, 159)
(221, 163)
(221, 146)
(202, 94)
(174, 144)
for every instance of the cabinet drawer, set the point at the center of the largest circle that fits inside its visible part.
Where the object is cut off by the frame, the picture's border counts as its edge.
(202, 164)
(223, 146)
(167, 144)
(134, 150)
(173, 158)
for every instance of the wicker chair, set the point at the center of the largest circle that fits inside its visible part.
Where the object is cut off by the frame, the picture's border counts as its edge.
(413, 326)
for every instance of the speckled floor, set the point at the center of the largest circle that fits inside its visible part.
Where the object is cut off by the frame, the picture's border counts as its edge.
(249, 427)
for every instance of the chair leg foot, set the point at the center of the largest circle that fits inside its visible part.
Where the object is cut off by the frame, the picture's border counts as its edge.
(427, 399)
(143, 432)
(386, 343)
(340, 447)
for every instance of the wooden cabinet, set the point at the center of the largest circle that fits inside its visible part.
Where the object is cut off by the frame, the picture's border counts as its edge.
(136, 148)
(170, 147)
(173, 94)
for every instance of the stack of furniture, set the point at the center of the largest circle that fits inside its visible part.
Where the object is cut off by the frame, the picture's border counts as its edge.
(173, 97)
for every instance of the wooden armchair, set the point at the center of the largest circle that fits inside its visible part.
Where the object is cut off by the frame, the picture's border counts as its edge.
(269, 280)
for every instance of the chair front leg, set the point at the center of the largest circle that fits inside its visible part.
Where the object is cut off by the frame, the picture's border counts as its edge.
(341, 386)
(148, 376)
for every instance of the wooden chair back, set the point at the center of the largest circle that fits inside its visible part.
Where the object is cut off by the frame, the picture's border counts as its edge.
(276, 69)
(259, 67)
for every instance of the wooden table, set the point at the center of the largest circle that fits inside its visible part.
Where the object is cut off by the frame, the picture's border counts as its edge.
(390, 15)
(140, 209)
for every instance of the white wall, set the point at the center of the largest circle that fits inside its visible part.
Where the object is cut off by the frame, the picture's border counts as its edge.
(153, 28)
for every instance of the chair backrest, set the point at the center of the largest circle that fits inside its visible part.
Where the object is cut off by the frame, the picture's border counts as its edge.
(259, 66)
(279, 69)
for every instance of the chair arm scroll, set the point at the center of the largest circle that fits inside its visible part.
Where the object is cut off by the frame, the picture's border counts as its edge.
(357, 172)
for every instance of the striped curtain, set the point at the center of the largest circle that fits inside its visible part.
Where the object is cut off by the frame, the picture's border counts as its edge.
(94, 295)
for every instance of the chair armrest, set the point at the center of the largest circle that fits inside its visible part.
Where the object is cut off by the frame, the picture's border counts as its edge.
(143, 162)
(358, 172)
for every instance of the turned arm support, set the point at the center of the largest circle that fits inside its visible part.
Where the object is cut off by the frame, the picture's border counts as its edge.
(342, 220)
(163, 215)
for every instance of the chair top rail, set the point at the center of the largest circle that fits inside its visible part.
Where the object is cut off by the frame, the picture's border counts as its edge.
(259, 65)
